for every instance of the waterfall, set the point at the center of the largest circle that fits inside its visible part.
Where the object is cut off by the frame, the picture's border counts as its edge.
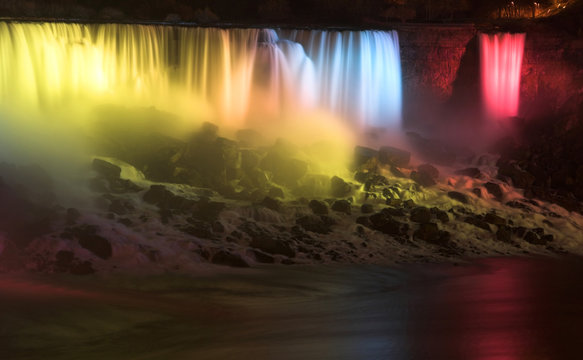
(226, 75)
(501, 62)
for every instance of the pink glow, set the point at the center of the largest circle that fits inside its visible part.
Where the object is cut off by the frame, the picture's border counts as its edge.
(501, 60)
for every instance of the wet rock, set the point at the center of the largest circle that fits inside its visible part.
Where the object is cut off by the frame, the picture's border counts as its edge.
(198, 228)
(339, 187)
(519, 231)
(367, 208)
(227, 258)
(271, 203)
(364, 220)
(281, 163)
(494, 189)
(318, 224)
(397, 173)
(218, 227)
(455, 195)
(393, 156)
(533, 238)
(260, 256)
(494, 219)
(426, 175)
(420, 214)
(272, 245)
(471, 172)
(429, 232)
(82, 268)
(408, 204)
(106, 169)
(520, 178)
(318, 207)
(207, 210)
(477, 192)
(386, 224)
(364, 155)
(343, 206)
(440, 215)
(504, 234)
(89, 239)
(519, 205)
(125, 221)
(477, 221)
(165, 199)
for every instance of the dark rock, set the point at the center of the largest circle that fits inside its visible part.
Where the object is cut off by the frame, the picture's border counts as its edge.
(547, 238)
(458, 196)
(106, 169)
(224, 257)
(477, 192)
(367, 209)
(364, 155)
(478, 221)
(391, 211)
(72, 216)
(286, 169)
(519, 205)
(271, 203)
(504, 234)
(533, 238)
(408, 204)
(318, 224)
(494, 219)
(208, 210)
(90, 240)
(429, 232)
(261, 257)
(123, 186)
(363, 220)
(198, 228)
(64, 260)
(494, 189)
(386, 224)
(426, 175)
(318, 207)
(339, 187)
(343, 206)
(273, 246)
(440, 215)
(432, 150)
(520, 178)
(393, 156)
(420, 214)
(519, 231)
(471, 172)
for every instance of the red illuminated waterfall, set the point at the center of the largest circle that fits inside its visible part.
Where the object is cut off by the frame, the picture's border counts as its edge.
(501, 60)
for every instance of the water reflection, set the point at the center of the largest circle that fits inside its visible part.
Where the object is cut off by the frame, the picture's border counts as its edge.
(500, 309)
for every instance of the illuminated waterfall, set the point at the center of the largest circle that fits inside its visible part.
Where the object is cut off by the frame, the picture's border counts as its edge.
(501, 61)
(358, 73)
(206, 73)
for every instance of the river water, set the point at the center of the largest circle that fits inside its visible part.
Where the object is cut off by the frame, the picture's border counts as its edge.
(498, 308)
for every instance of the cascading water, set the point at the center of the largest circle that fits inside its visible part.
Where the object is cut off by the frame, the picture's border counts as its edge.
(212, 74)
(358, 74)
(501, 62)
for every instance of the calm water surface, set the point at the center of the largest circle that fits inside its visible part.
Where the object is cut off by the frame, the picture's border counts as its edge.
(503, 309)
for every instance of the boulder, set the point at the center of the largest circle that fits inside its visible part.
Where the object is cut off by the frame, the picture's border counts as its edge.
(339, 187)
(272, 245)
(420, 214)
(318, 224)
(426, 175)
(494, 190)
(458, 196)
(364, 155)
(367, 208)
(224, 257)
(318, 207)
(389, 155)
(494, 219)
(343, 206)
